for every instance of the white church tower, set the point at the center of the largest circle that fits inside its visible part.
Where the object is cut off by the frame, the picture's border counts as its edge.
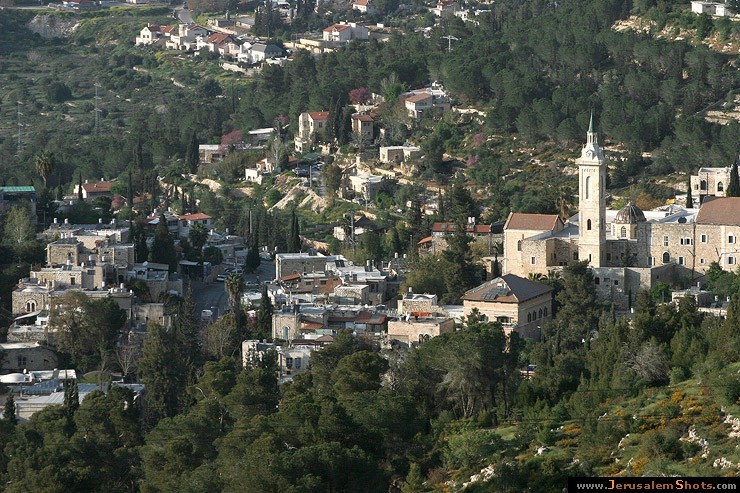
(591, 200)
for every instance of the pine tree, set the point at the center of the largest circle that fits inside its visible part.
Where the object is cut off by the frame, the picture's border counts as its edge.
(9, 411)
(141, 248)
(253, 258)
(460, 273)
(733, 189)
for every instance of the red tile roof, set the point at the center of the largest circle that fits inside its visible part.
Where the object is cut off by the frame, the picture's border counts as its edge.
(419, 97)
(97, 187)
(544, 222)
(336, 27)
(428, 239)
(319, 115)
(218, 38)
(194, 217)
(451, 227)
(362, 118)
(720, 210)
(362, 3)
(166, 29)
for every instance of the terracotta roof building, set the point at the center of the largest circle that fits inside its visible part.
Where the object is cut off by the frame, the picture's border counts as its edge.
(517, 303)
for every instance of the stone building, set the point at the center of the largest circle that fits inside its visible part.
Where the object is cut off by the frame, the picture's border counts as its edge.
(416, 329)
(629, 249)
(18, 357)
(709, 181)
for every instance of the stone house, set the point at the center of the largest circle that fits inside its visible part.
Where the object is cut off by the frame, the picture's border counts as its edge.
(517, 303)
(19, 357)
(413, 330)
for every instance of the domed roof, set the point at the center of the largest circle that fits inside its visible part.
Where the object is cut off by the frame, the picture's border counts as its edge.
(630, 214)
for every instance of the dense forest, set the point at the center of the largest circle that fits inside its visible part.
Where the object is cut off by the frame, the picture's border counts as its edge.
(420, 420)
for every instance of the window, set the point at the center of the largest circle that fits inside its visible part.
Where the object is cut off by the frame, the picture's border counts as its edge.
(665, 240)
(529, 317)
(680, 260)
(666, 257)
(575, 255)
(586, 191)
(685, 241)
(588, 225)
(540, 314)
(608, 256)
(519, 246)
(703, 238)
(731, 260)
(623, 232)
(597, 280)
(720, 187)
(731, 239)
(616, 282)
(533, 260)
(297, 362)
(703, 185)
(72, 281)
(545, 311)
(651, 261)
(31, 306)
(22, 361)
(701, 261)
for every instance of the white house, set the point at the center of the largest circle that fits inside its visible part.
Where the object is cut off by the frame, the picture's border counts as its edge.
(344, 32)
(308, 124)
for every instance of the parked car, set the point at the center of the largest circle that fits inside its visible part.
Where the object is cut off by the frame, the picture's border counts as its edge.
(220, 278)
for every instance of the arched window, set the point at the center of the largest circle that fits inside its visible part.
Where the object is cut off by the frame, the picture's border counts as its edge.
(529, 317)
(623, 232)
(703, 185)
(31, 306)
(545, 311)
(519, 246)
(720, 187)
(540, 314)
(587, 187)
(588, 225)
(666, 257)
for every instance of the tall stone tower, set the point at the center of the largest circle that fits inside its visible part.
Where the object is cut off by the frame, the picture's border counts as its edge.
(591, 200)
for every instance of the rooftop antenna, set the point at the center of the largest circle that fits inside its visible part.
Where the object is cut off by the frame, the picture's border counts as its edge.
(97, 111)
(20, 125)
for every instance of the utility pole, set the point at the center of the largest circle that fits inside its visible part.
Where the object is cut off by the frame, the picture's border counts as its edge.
(20, 125)
(97, 111)
(449, 39)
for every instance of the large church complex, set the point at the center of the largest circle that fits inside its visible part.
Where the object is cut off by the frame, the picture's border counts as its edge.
(629, 249)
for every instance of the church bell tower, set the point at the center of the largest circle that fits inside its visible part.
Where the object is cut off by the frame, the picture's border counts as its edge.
(591, 200)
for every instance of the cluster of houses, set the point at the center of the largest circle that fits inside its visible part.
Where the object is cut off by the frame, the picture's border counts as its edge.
(194, 38)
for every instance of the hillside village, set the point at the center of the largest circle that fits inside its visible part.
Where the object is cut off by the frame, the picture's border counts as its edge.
(389, 279)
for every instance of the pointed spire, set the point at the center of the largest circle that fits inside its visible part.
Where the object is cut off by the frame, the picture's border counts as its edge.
(591, 135)
(591, 123)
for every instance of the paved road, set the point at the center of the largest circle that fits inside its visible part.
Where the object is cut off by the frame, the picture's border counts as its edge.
(208, 296)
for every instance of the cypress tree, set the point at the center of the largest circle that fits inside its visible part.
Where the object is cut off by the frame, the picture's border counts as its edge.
(163, 248)
(689, 197)
(294, 238)
(9, 411)
(191, 154)
(733, 189)
(79, 188)
(130, 189)
(264, 316)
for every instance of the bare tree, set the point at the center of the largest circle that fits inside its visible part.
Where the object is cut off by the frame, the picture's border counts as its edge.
(650, 363)
(221, 337)
(127, 356)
